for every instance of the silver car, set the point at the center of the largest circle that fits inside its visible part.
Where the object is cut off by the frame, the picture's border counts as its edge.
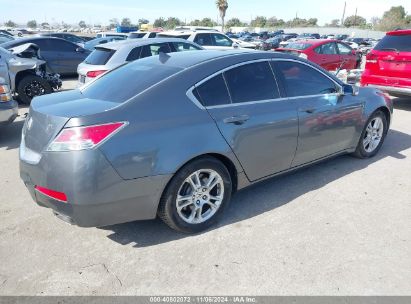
(176, 135)
(111, 55)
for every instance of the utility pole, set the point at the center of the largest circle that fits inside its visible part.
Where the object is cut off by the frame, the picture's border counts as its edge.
(343, 16)
(355, 17)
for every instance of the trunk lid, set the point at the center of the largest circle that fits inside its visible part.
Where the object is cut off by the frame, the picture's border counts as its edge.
(50, 113)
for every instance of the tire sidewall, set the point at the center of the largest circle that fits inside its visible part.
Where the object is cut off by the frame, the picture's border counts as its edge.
(360, 149)
(178, 180)
(27, 80)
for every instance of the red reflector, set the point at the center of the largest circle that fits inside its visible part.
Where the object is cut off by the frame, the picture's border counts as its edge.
(93, 74)
(60, 196)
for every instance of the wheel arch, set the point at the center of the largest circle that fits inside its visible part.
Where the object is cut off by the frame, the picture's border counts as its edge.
(20, 75)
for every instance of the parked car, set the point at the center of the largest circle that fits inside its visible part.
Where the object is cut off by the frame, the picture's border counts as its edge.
(25, 73)
(209, 39)
(111, 55)
(144, 35)
(341, 37)
(388, 65)
(269, 44)
(5, 38)
(8, 107)
(329, 54)
(62, 56)
(19, 32)
(6, 32)
(90, 45)
(192, 129)
(66, 36)
(111, 34)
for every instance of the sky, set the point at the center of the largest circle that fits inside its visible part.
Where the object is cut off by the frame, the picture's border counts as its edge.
(100, 11)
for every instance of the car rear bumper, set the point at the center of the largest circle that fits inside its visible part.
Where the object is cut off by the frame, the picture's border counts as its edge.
(8, 112)
(388, 84)
(391, 89)
(96, 195)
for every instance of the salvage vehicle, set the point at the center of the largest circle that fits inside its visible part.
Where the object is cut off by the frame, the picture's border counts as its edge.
(388, 65)
(329, 54)
(111, 55)
(62, 56)
(26, 72)
(192, 129)
(66, 36)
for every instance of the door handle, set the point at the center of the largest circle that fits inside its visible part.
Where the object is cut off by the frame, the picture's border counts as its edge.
(237, 120)
(309, 111)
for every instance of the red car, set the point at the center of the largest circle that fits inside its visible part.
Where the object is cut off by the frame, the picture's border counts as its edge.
(330, 54)
(388, 65)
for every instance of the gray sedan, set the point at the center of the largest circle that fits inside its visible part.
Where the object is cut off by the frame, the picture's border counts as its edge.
(111, 55)
(176, 135)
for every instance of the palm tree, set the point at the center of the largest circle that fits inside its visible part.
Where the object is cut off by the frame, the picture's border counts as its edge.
(222, 6)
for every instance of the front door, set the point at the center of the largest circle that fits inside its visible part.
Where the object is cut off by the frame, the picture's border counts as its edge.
(260, 127)
(328, 120)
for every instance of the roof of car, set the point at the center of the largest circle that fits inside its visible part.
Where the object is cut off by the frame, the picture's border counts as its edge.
(31, 39)
(189, 32)
(399, 32)
(315, 41)
(139, 42)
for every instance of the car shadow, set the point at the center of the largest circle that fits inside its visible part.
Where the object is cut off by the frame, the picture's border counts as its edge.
(402, 103)
(10, 135)
(270, 194)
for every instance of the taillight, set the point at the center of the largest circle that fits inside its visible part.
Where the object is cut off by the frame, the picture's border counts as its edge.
(84, 138)
(94, 74)
(5, 94)
(371, 58)
(60, 196)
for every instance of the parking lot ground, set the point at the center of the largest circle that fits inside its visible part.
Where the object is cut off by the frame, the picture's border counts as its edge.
(338, 228)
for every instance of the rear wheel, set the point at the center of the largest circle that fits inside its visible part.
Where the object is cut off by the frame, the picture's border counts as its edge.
(372, 136)
(31, 86)
(197, 196)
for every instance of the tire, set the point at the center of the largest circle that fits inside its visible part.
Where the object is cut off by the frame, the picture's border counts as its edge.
(366, 151)
(41, 87)
(179, 218)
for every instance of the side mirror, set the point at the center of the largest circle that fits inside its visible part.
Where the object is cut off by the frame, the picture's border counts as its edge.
(349, 89)
(235, 45)
(79, 50)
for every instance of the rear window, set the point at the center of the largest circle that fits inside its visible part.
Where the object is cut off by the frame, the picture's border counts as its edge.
(185, 37)
(298, 46)
(99, 56)
(136, 35)
(401, 43)
(127, 81)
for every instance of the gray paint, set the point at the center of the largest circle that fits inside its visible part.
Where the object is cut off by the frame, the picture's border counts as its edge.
(123, 179)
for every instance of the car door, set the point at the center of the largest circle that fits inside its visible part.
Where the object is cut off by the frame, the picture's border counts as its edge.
(204, 39)
(67, 56)
(347, 55)
(221, 42)
(327, 56)
(260, 126)
(328, 121)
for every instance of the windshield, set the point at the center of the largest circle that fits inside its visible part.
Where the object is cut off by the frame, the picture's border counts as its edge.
(400, 43)
(127, 81)
(298, 46)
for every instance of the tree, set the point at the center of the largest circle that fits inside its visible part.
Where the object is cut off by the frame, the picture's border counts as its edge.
(234, 22)
(32, 24)
(172, 22)
(207, 22)
(312, 22)
(355, 21)
(274, 22)
(82, 24)
(394, 18)
(113, 23)
(143, 21)
(126, 22)
(10, 24)
(259, 21)
(45, 25)
(222, 6)
(334, 23)
(160, 22)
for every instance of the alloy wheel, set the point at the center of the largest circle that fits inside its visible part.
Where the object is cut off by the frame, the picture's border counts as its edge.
(373, 134)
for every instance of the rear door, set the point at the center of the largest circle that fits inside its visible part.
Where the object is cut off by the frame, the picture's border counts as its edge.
(259, 125)
(327, 56)
(204, 39)
(347, 56)
(67, 56)
(328, 121)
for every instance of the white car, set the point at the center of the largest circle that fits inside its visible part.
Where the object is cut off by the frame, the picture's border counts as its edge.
(111, 34)
(208, 39)
(142, 35)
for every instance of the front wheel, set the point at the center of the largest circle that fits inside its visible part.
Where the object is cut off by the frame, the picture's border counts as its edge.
(372, 136)
(31, 86)
(196, 196)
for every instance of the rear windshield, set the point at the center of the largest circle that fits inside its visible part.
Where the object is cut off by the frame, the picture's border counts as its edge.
(401, 43)
(99, 56)
(136, 35)
(127, 81)
(185, 37)
(298, 46)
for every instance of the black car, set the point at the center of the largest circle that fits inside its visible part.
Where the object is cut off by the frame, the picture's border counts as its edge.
(62, 56)
(269, 44)
(6, 32)
(69, 37)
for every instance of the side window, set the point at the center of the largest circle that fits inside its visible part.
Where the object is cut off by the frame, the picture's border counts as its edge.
(213, 92)
(43, 44)
(251, 82)
(203, 39)
(344, 49)
(327, 49)
(182, 46)
(152, 35)
(62, 46)
(302, 80)
(155, 49)
(221, 40)
(134, 54)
